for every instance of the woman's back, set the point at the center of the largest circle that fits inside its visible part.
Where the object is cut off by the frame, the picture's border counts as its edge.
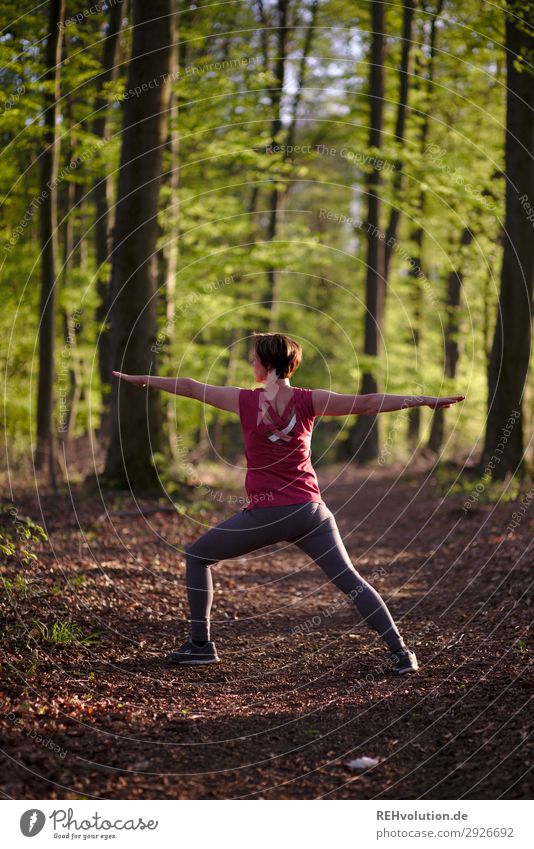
(278, 448)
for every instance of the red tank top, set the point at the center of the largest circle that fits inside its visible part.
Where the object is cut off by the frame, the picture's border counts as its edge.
(279, 467)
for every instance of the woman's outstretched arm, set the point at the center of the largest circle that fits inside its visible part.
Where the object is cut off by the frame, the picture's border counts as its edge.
(222, 397)
(327, 403)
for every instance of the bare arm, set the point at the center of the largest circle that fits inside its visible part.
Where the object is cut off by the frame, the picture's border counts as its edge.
(327, 403)
(222, 397)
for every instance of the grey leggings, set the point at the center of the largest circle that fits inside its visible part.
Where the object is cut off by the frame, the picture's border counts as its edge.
(312, 527)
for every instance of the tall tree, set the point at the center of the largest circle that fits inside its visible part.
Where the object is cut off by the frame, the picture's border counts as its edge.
(282, 41)
(452, 327)
(278, 197)
(418, 233)
(136, 432)
(511, 350)
(49, 242)
(281, 138)
(73, 390)
(102, 193)
(172, 226)
(408, 15)
(364, 436)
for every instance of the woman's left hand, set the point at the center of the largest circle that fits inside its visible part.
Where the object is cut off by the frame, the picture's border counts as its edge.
(443, 403)
(135, 379)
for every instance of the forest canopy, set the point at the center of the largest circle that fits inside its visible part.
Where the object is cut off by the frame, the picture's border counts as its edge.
(175, 176)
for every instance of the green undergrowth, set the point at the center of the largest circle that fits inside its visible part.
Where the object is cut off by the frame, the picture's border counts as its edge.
(480, 489)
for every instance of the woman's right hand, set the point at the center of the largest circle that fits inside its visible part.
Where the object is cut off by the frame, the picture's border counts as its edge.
(135, 379)
(441, 403)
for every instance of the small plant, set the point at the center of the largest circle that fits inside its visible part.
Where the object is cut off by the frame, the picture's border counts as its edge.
(6, 546)
(63, 633)
(32, 667)
(21, 586)
(19, 535)
(77, 581)
(481, 489)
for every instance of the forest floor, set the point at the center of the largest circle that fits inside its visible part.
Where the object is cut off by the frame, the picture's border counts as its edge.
(89, 709)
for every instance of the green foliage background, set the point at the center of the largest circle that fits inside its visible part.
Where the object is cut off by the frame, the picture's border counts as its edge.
(224, 126)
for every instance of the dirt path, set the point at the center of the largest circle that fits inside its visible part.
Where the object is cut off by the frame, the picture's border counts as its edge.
(303, 688)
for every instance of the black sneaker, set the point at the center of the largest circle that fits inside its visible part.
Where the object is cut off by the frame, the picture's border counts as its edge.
(191, 655)
(404, 660)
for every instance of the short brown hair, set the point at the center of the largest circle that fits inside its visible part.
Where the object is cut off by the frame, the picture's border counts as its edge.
(277, 351)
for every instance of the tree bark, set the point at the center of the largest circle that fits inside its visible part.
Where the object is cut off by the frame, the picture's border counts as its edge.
(363, 440)
(297, 97)
(510, 355)
(452, 354)
(172, 233)
(45, 448)
(68, 379)
(400, 127)
(227, 435)
(414, 413)
(282, 34)
(418, 235)
(173, 144)
(103, 201)
(278, 197)
(136, 431)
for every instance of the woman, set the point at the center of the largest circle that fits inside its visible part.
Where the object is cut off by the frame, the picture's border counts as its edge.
(284, 500)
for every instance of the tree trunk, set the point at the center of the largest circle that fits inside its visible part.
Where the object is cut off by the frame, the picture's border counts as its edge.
(400, 126)
(172, 234)
(279, 197)
(486, 321)
(45, 449)
(454, 294)
(510, 355)
(228, 433)
(72, 377)
(102, 193)
(363, 440)
(136, 432)
(68, 379)
(306, 50)
(276, 99)
(414, 413)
